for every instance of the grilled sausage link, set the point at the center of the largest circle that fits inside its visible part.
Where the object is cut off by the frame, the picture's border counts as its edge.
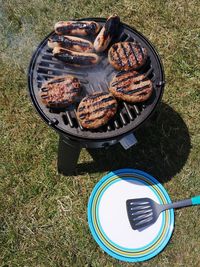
(82, 28)
(71, 42)
(106, 34)
(76, 58)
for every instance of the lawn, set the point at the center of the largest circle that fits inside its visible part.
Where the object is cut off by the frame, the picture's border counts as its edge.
(43, 218)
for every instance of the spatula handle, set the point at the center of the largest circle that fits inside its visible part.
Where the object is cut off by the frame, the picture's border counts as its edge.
(180, 204)
(196, 200)
(183, 203)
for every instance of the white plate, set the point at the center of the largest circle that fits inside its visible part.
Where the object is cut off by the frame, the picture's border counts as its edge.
(108, 219)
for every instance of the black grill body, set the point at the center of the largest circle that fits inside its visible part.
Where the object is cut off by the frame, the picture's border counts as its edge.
(129, 117)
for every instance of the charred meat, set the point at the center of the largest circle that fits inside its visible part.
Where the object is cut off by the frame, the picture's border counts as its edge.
(82, 28)
(109, 30)
(60, 91)
(71, 43)
(131, 86)
(96, 110)
(127, 55)
(76, 59)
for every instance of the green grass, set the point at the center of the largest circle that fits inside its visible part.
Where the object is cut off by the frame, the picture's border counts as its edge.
(43, 214)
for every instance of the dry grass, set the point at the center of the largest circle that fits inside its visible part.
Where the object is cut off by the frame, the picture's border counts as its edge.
(42, 214)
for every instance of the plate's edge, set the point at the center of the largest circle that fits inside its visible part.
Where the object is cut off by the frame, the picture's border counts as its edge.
(102, 246)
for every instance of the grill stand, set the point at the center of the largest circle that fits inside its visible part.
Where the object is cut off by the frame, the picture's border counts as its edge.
(69, 151)
(68, 154)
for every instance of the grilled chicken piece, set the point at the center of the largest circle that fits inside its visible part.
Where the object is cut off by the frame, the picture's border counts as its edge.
(82, 28)
(96, 110)
(60, 91)
(109, 30)
(131, 86)
(76, 58)
(71, 42)
(127, 55)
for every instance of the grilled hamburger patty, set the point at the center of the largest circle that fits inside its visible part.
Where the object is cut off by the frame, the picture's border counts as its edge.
(127, 55)
(131, 86)
(82, 28)
(60, 91)
(70, 42)
(96, 110)
(109, 30)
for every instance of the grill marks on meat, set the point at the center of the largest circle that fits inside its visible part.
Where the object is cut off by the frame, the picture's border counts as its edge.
(81, 28)
(127, 55)
(96, 110)
(109, 30)
(71, 42)
(131, 87)
(133, 52)
(76, 58)
(60, 91)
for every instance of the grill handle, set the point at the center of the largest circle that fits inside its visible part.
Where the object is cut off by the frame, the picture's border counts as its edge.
(128, 141)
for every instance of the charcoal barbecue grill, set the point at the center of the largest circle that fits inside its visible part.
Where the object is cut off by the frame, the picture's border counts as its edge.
(129, 117)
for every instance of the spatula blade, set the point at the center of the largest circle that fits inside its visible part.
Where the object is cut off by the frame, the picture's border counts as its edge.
(140, 212)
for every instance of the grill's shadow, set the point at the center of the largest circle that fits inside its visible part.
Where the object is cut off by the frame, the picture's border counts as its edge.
(162, 150)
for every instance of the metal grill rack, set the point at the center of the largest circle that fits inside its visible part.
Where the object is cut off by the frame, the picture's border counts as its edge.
(95, 78)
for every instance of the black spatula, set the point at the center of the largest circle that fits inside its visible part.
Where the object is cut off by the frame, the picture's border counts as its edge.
(143, 212)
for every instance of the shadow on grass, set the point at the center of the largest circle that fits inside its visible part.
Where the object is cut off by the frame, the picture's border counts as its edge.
(162, 150)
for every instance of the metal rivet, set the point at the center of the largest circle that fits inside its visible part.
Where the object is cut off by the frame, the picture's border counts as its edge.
(161, 83)
(53, 121)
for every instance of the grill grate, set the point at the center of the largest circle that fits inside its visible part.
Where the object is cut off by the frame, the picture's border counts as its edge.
(97, 78)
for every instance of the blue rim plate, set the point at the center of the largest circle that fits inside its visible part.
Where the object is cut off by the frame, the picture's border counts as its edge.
(108, 220)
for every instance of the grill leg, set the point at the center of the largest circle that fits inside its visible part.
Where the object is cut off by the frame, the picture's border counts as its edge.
(155, 116)
(68, 154)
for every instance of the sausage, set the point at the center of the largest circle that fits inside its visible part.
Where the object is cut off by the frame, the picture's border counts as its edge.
(109, 30)
(76, 58)
(71, 42)
(82, 28)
